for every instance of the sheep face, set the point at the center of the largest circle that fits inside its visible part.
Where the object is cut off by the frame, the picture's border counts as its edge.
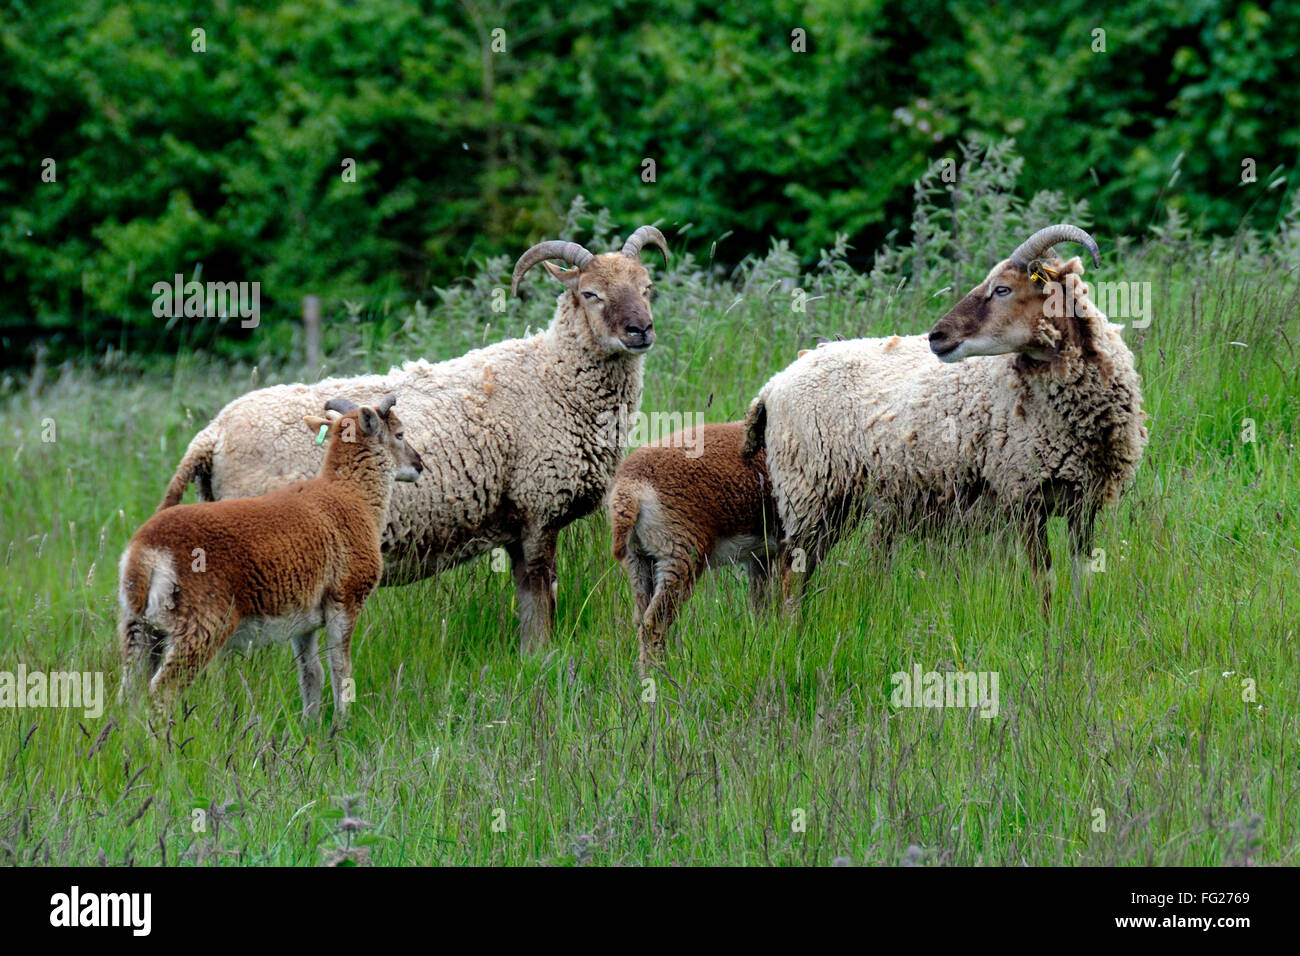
(1004, 313)
(612, 295)
(377, 426)
(389, 430)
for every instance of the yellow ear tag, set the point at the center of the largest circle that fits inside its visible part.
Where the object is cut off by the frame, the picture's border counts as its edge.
(320, 439)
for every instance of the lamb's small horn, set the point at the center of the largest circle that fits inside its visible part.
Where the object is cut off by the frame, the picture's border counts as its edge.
(551, 249)
(1045, 238)
(645, 236)
(386, 404)
(340, 405)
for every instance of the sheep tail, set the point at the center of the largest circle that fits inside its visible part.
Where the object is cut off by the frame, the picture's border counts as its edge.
(624, 507)
(195, 467)
(755, 428)
(136, 578)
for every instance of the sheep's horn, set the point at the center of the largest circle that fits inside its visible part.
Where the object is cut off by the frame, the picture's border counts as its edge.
(823, 340)
(386, 404)
(645, 236)
(551, 249)
(340, 405)
(1045, 238)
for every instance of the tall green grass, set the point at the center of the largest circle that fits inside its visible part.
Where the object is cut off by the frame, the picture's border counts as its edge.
(1127, 731)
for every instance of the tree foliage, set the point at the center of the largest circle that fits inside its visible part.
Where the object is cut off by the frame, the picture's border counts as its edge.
(472, 125)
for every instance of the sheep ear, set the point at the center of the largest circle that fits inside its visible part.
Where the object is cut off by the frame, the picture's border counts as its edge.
(1040, 274)
(568, 277)
(319, 427)
(368, 418)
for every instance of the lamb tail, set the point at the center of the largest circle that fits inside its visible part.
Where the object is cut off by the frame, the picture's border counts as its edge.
(135, 578)
(624, 508)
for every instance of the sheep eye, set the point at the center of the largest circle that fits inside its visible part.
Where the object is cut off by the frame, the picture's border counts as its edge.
(591, 296)
(1002, 290)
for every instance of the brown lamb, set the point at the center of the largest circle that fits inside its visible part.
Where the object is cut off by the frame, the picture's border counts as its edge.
(268, 569)
(675, 513)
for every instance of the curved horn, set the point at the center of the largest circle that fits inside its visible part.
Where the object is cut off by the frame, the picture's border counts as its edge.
(386, 404)
(646, 235)
(552, 249)
(1045, 238)
(340, 405)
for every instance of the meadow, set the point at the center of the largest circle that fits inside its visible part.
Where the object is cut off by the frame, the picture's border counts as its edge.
(1154, 723)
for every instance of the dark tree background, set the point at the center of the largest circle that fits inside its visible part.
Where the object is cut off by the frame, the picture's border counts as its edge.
(231, 160)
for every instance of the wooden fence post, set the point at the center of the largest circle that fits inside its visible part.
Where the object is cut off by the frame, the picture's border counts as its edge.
(311, 330)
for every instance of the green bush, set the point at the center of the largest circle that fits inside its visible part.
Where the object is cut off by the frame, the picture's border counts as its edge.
(229, 162)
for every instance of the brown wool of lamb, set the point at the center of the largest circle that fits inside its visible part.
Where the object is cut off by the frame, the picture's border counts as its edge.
(682, 505)
(276, 567)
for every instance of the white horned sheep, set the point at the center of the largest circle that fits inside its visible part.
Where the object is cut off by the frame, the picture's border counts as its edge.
(673, 515)
(1051, 424)
(272, 568)
(521, 437)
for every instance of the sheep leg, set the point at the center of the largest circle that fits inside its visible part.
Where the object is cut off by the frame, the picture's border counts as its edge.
(792, 581)
(760, 571)
(883, 537)
(1040, 558)
(533, 563)
(141, 653)
(1081, 523)
(799, 559)
(193, 645)
(339, 624)
(640, 574)
(674, 582)
(311, 676)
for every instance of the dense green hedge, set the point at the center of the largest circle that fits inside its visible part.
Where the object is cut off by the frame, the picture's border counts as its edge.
(232, 158)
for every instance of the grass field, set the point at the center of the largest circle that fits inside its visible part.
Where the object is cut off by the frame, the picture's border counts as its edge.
(1157, 724)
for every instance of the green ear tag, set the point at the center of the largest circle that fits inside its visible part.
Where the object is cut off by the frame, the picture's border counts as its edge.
(320, 439)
